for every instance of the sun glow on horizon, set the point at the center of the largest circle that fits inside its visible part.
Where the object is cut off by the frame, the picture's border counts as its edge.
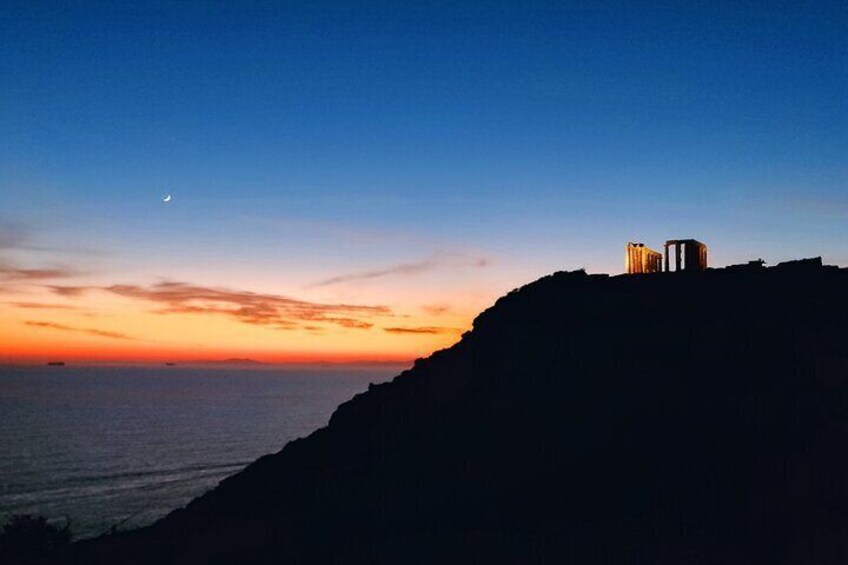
(181, 322)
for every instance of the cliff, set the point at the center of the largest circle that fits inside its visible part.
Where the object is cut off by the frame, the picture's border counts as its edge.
(664, 418)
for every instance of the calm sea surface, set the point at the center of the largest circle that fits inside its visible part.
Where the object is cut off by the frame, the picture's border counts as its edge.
(104, 445)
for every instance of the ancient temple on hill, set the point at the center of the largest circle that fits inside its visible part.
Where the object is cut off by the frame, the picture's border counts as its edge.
(689, 255)
(641, 259)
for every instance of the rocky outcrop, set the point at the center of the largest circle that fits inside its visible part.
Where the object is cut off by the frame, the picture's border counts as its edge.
(662, 418)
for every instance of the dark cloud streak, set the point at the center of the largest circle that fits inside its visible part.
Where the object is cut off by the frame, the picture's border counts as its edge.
(65, 290)
(403, 269)
(261, 309)
(421, 330)
(436, 309)
(451, 260)
(42, 306)
(89, 331)
(9, 272)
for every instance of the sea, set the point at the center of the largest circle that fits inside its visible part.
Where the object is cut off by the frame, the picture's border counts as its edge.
(106, 447)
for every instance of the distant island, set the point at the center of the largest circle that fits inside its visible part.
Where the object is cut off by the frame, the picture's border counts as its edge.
(684, 417)
(231, 361)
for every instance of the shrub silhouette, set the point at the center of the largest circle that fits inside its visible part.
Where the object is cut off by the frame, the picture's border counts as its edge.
(25, 538)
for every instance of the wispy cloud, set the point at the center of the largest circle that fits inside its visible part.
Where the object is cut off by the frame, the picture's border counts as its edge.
(42, 306)
(827, 206)
(350, 323)
(271, 310)
(16, 236)
(89, 331)
(436, 309)
(402, 269)
(66, 290)
(12, 236)
(9, 272)
(452, 260)
(421, 330)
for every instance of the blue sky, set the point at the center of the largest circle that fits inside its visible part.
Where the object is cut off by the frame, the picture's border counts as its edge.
(306, 140)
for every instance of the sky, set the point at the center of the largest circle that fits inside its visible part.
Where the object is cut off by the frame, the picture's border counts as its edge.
(356, 181)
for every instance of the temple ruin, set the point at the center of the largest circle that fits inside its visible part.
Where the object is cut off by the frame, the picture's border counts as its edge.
(689, 255)
(641, 259)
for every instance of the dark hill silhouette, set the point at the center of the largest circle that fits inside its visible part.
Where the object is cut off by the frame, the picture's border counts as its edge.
(664, 418)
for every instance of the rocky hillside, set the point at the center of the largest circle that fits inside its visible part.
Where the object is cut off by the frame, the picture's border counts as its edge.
(666, 418)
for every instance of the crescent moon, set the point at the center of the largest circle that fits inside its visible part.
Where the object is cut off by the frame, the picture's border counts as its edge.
(167, 198)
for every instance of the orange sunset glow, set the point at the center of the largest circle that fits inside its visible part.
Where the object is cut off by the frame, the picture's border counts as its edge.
(178, 322)
(90, 313)
(117, 289)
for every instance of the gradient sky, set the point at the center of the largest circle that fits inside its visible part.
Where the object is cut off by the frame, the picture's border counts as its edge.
(356, 182)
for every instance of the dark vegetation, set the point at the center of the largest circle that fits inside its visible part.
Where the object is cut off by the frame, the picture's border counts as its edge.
(31, 539)
(666, 418)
